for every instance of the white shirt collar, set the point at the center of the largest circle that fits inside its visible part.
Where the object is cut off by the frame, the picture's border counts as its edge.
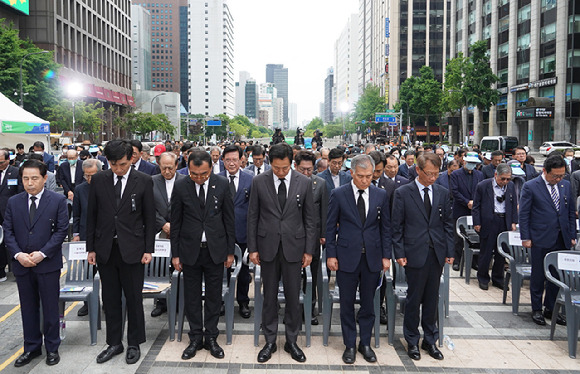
(356, 189)
(138, 163)
(38, 195)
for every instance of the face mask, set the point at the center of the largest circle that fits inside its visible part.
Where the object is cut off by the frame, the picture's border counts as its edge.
(470, 166)
(39, 152)
(72, 162)
(569, 158)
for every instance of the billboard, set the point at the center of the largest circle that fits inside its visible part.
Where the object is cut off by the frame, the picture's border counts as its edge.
(20, 5)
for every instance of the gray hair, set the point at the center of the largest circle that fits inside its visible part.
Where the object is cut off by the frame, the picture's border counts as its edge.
(369, 146)
(362, 161)
(92, 162)
(146, 148)
(171, 155)
(215, 148)
(503, 169)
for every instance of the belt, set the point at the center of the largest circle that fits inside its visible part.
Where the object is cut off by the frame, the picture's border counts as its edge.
(203, 245)
(502, 215)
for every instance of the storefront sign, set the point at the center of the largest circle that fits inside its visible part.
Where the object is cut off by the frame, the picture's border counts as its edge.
(531, 113)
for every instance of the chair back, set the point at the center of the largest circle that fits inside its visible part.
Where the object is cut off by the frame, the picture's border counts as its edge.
(463, 224)
(510, 246)
(158, 269)
(234, 269)
(79, 271)
(563, 269)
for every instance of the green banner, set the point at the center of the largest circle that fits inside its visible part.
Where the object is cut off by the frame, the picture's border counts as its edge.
(15, 127)
(20, 5)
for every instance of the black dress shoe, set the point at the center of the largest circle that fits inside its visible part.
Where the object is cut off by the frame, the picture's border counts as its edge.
(83, 311)
(456, 267)
(108, 353)
(133, 354)
(245, 310)
(499, 285)
(432, 350)
(52, 358)
(483, 286)
(223, 310)
(538, 318)
(349, 356)
(413, 352)
(266, 353)
(367, 352)
(295, 352)
(560, 320)
(384, 318)
(214, 348)
(26, 357)
(191, 349)
(314, 321)
(158, 311)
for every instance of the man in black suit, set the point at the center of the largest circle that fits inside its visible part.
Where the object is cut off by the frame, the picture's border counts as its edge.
(391, 169)
(35, 225)
(240, 184)
(120, 239)
(409, 161)
(304, 162)
(202, 243)
(520, 154)
(163, 185)
(281, 238)
(217, 165)
(47, 158)
(80, 209)
(496, 159)
(495, 210)
(137, 161)
(422, 225)
(258, 157)
(441, 153)
(70, 173)
(10, 185)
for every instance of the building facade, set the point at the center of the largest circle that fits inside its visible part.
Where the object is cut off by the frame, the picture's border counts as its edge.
(241, 93)
(211, 58)
(278, 74)
(328, 115)
(251, 95)
(346, 59)
(140, 48)
(533, 51)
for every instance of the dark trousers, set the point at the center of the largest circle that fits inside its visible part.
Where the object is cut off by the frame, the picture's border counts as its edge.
(458, 249)
(244, 279)
(3, 259)
(423, 293)
(118, 277)
(488, 250)
(538, 277)
(193, 275)
(290, 273)
(366, 281)
(315, 268)
(34, 288)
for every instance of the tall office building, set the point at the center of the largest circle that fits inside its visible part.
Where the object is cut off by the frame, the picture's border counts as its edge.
(533, 51)
(365, 27)
(293, 116)
(251, 95)
(241, 93)
(141, 48)
(346, 59)
(211, 58)
(328, 115)
(268, 102)
(278, 74)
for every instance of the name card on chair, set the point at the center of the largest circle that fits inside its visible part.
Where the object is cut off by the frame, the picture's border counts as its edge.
(514, 238)
(77, 251)
(567, 261)
(469, 220)
(162, 248)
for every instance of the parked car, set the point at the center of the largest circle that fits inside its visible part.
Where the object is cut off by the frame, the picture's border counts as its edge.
(499, 143)
(548, 147)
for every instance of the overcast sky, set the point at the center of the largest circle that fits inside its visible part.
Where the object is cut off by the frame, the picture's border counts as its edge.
(297, 33)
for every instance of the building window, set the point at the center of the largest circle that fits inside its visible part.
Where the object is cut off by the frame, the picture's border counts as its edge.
(504, 24)
(548, 33)
(574, 58)
(503, 76)
(524, 13)
(574, 24)
(524, 42)
(548, 92)
(548, 64)
(547, 5)
(572, 91)
(503, 50)
(522, 98)
(523, 71)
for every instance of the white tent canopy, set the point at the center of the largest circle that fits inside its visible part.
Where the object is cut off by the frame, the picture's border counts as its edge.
(20, 126)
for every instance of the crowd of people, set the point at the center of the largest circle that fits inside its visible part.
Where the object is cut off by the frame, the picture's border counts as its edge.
(366, 205)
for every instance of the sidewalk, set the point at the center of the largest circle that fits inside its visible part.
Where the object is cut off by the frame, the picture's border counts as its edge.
(487, 337)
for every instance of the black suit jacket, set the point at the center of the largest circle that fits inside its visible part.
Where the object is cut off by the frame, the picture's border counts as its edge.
(188, 224)
(483, 206)
(133, 220)
(413, 230)
(148, 168)
(63, 176)
(80, 207)
(488, 171)
(11, 185)
(162, 204)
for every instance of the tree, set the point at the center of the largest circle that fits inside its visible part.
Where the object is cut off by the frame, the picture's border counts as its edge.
(454, 94)
(143, 124)
(38, 72)
(315, 124)
(479, 81)
(368, 104)
(89, 118)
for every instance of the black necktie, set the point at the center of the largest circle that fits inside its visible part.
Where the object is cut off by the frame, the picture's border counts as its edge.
(360, 204)
(232, 186)
(201, 197)
(427, 201)
(32, 208)
(258, 171)
(282, 193)
(374, 182)
(118, 187)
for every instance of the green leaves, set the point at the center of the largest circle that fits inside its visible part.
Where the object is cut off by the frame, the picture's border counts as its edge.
(369, 103)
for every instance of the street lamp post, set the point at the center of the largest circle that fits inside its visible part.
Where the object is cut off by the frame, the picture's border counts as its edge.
(22, 62)
(465, 120)
(74, 90)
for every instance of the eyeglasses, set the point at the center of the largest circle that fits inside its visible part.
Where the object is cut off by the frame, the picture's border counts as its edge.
(505, 179)
(430, 174)
(230, 161)
(336, 163)
(556, 176)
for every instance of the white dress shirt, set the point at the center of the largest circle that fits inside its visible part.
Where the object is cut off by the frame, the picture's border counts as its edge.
(123, 181)
(549, 187)
(205, 187)
(216, 167)
(256, 169)
(36, 202)
(286, 182)
(236, 179)
(498, 192)
(365, 196)
(336, 179)
(137, 164)
(423, 192)
(169, 183)
(73, 172)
